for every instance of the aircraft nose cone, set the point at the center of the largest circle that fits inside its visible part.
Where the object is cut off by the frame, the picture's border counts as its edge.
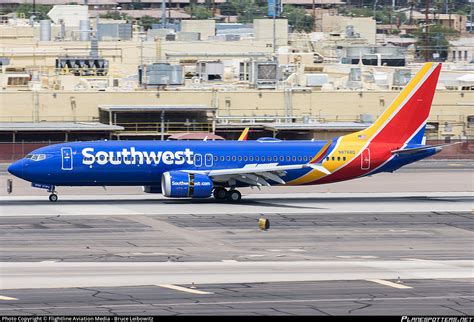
(16, 168)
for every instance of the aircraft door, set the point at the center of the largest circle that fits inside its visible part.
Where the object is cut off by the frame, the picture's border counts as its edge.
(66, 158)
(365, 159)
(197, 160)
(209, 160)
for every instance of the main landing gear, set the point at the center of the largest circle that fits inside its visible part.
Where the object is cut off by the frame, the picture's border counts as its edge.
(231, 195)
(53, 197)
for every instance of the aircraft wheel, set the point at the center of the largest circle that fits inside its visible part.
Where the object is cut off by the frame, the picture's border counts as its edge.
(220, 193)
(234, 195)
(53, 197)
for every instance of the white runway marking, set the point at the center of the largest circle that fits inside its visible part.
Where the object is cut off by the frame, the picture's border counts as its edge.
(184, 289)
(388, 283)
(7, 298)
(18, 275)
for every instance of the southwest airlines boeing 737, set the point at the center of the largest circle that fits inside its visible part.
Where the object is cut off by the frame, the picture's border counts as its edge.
(200, 169)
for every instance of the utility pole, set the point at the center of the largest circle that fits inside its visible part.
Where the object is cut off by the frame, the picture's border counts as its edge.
(169, 10)
(163, 13)
(375, 19)
(472, 22)
(274, 28)
(427, 53)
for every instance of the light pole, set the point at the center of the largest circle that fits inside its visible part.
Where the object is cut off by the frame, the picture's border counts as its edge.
(375, 5)
(472, 22)
(375, 19)
(274, 27)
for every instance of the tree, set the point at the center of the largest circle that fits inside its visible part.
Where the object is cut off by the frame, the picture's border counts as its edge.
(248, 10)
(27, 10)
(228, 9)
(115, 15)
(437, 42)
(298, 19)
(146, 21)
(201, 13)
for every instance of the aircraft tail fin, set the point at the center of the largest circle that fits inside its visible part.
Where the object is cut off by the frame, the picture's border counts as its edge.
(244, 135)
(404, 121)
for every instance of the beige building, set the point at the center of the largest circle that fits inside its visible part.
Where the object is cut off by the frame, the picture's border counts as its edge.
(452, 113)
(206, 28)
(364, 27)
(461, 50)
(263, 31)
(455, 21)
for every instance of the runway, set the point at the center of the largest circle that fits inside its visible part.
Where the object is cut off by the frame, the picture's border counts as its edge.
(325, 253)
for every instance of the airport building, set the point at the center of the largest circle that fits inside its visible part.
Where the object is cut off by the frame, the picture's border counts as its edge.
(80, 77)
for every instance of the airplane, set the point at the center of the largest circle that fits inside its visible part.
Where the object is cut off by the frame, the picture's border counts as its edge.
(201, 169)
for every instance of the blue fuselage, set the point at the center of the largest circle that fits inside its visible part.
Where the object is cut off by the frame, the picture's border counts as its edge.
(126, 163)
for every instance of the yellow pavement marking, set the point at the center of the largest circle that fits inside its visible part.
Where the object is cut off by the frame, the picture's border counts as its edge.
(388, 283)
(7, 298)
(184, 289)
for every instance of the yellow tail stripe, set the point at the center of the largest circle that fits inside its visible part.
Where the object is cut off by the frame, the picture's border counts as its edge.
(243, 136)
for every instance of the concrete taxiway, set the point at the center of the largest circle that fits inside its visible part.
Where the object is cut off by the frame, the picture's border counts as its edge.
(119, 252)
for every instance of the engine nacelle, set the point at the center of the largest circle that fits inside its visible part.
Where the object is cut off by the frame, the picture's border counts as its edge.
(178, 184)
(152, 189)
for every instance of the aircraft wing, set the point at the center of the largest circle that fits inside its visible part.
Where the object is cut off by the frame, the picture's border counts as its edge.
(409, 151)
(257, 174)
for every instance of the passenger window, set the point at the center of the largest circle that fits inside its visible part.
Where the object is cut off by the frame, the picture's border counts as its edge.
(275, 158)
(300, 158)
(333, 158)
(216, 158)
(250, 158)
(288, 158)
(306, 158)
(222, 158)
(227, 158)
(282, 158)
(256, 158)
(269, 158)
(234, 158)
(344, 158)
(338, 158)
(293, 158)
(240, 158)
(245, 158)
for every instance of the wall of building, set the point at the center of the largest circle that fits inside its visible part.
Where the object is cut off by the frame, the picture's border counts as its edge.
(263, 31)
(205, 27)
(450, 108)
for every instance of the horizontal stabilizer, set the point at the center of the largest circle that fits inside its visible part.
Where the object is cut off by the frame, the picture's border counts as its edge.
(409, 151)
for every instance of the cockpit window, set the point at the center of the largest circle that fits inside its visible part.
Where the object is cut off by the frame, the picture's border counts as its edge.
(36, 157)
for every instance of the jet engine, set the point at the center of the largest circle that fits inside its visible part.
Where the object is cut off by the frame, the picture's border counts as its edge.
(179, 184)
